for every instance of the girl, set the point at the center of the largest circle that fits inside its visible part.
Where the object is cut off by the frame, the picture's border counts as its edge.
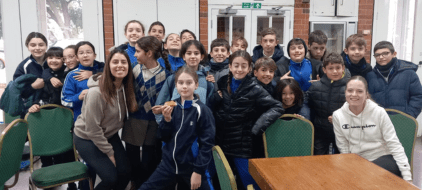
(187, 35)
(243, 110)
(34, 64)
(69, 58)
(189, 122)
(140, 129)
(171, 51)
(75, 85)
(109, 99)
(364, 128)
(290, 95)
(134, 30)
(193, 52)
(157, 30)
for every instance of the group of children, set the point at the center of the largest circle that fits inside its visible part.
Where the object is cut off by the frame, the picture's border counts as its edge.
(222, 98)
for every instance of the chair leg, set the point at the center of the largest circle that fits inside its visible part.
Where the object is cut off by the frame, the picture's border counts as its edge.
(32, 185)
(91, 184)
(6, 187)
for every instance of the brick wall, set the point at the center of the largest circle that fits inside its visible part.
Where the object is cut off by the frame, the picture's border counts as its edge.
(108, 26)
(365, 21)
(203, 23)
(301, 20)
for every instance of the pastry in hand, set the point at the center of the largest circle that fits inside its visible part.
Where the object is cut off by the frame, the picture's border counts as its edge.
(170, 103)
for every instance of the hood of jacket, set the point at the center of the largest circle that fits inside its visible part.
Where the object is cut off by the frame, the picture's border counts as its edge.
(258, 53)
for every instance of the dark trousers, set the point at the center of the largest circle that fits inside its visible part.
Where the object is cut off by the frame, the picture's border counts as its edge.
(164, 179)
(388, 163)
(322, 145)
(112, 177)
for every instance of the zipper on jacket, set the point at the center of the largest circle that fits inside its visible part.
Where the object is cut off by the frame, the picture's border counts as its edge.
(175, 138)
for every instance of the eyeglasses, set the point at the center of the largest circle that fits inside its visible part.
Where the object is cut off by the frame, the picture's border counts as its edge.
(87, 52)
(383, 54)
(69, 57)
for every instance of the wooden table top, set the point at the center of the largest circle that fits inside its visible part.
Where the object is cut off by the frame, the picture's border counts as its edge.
(339, 171)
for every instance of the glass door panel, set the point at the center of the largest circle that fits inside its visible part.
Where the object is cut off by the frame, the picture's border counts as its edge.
(223, 27)
(262, 22)
(335, 32)
(278, 25)
(238, 26)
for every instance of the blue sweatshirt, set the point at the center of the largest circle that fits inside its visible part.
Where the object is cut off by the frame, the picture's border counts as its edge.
(192, 121)
(72, 88)
(175, 62)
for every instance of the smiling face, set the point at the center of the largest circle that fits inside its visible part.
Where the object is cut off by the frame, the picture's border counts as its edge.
(317, 50)
(119, 66)
(173, 42)
(239, 45)
(288, 97)
(219, 54)
(37, 47)
(192, 57)
(134, 32)
(264, 74)
(55, 63)
(157, 31)
(384, 56)
(86, 55)
(356, 93)
(297, 52)
(186, 37)
(185, 86)
(334, 71)
(69, 58)
(268, 43)
(355, 52)
(239, 68)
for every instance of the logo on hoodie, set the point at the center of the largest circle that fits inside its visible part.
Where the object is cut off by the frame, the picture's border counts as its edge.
(347, 126)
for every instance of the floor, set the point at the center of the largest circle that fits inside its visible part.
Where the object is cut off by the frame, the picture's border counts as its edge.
(417, 170)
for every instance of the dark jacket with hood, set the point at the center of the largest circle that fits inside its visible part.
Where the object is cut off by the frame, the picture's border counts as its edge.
(218, 69)
(50, 94)
(29, 66)
(242, 115)
(402, 90)
(325, 97)
(362, 68)
(191, 122)
(258, 53)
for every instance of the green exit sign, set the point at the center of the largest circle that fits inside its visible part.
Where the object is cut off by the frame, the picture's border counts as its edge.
(246, 5)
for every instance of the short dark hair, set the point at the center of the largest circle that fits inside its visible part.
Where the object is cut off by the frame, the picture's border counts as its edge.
(35, 35)
(198, 46)
(268, 31)
(294, 86)
(237, 38)
(384, 44)
(220, 42)
(71, 47)
(333, 58)
(81, 43)
(190, 32)
(296, 41)
(318, 37)
(54, 52)
(358, 39)
(265, 62)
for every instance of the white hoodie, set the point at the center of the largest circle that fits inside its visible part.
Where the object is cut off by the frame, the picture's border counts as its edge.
(370, 134)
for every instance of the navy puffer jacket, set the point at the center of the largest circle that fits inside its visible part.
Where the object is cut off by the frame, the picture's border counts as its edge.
(402, 91)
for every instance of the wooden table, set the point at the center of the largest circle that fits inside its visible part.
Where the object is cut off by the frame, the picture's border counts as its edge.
(340, 171)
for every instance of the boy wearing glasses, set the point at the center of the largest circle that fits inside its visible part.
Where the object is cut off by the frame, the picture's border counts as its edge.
(393, 83)
(353, 55)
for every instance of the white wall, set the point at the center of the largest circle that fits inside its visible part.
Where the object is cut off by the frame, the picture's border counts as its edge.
(263, 2)
(176, 15)
(417, 49)
(92, 20)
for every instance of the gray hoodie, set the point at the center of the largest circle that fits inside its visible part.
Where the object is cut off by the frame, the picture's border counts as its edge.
(99, 120)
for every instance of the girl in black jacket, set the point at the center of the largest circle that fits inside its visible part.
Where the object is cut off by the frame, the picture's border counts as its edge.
(243, 110)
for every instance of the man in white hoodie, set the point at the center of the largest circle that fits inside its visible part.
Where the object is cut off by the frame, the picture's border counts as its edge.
(364, 128)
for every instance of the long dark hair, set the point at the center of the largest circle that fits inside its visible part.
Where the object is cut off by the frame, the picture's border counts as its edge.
(294, 86)
(36, 35)
(198, 46)
(107, 87)
(240, 53)
(151, 43)
(159, 24)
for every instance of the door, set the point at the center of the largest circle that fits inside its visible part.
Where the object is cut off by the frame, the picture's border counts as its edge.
(249, 23)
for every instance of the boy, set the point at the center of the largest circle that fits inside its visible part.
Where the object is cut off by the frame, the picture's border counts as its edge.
(325, 97)
(393, 83)
(317, 42)
(219, 61)
(239, 43)
(264, 73)
(353, 55)
(268, 46)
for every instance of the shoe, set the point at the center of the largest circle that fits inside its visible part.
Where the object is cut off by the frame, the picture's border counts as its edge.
(72, 186)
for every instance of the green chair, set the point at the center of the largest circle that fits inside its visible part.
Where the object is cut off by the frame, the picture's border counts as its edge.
(8, 118)
(406, 128)
(12, 141)
(285, 138)
(224, 172)
(49, 134)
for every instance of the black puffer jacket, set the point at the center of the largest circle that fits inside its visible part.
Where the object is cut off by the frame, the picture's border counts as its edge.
(284, 63)
(239, 117)
(362, 68)
(325, 98)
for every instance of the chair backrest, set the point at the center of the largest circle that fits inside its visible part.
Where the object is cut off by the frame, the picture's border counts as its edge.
(286, 138)
(12, 141)
(49, 130)
(224, 172)
(8, 118)
(406, 129)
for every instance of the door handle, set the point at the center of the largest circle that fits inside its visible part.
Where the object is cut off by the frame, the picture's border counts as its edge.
(332, 2)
